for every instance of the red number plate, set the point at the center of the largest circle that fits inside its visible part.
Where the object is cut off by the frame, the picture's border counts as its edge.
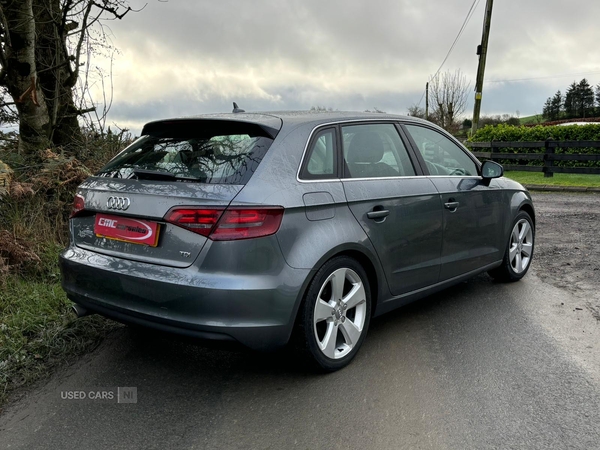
(125, 229)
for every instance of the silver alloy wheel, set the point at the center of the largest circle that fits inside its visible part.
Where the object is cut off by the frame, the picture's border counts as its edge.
(521, 246)
(340, 313)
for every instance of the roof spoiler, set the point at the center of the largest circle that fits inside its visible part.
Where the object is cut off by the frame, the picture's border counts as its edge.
(200, 127)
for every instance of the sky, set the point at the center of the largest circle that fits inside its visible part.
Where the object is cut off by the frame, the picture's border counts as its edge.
(188, 57)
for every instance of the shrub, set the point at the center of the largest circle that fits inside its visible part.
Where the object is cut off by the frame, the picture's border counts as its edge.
(506, 133)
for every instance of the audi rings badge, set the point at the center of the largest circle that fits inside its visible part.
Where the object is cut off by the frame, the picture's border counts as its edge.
(118, 203)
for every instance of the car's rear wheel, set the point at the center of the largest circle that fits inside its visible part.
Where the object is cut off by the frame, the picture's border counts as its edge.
(335, 314)
(519, 251)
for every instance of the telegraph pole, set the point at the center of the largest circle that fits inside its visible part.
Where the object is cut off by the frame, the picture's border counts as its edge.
(482, 52)
(427, 101)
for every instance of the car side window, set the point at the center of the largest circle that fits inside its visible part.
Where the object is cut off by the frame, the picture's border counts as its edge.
(375, 151)
(321, 162)
(441, 155)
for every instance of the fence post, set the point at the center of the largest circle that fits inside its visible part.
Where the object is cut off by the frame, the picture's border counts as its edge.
(492, 150)
(548, 163)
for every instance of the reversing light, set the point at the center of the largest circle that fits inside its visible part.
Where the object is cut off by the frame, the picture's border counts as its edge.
(200, 221)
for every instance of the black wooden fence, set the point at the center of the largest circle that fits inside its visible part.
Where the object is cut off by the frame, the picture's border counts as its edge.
(549, 156)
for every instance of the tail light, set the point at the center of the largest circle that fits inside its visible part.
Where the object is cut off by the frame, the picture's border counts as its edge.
(78, 206)
(229, 224)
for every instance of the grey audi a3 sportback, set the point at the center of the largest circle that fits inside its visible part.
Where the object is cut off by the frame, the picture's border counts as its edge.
(258, 228)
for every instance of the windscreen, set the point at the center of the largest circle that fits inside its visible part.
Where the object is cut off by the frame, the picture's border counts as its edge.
(215, 159)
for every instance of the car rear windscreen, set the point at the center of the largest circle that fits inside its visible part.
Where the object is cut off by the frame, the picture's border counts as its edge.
(225, 155)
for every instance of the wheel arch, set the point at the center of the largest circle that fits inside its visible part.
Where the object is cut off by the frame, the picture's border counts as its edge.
(519, 201)
(367, 259)
(529, 210)
(372, 276)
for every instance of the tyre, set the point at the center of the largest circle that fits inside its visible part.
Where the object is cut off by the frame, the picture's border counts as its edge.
(519, 250)
(335, 315)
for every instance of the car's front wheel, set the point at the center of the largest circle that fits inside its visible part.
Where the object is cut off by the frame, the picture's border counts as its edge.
(336, 313)
(519, 251)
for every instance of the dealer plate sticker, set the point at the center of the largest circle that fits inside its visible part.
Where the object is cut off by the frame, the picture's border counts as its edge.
(125, 229)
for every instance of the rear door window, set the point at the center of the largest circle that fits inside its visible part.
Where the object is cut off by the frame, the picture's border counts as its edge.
(375, 151)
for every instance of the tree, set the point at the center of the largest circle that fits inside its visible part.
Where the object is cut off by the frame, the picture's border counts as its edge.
(448, 93)
(556, 105)
(552, 107)
(547, 109)
(571, 100)
(43, 45)
(585, 99)
(579, 99)
(416, 111)
(375, 110)
(498, 119)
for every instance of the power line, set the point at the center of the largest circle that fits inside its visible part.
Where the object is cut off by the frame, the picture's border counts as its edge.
(422, 96)
(545, 77)
(460, 32)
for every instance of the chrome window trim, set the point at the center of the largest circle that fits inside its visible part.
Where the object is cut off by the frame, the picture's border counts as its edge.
(384, 178)
(455, 176)
(340, 122)
(411, 177)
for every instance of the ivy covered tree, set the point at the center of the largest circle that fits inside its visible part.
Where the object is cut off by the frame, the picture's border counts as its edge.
(43, 46)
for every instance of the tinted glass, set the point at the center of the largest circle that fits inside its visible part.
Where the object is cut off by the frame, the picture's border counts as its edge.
(374, 151)
(321, 156)
(218, 159)
(442, 156)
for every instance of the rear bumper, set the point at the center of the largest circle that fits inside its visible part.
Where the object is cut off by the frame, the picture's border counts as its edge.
(255, 310)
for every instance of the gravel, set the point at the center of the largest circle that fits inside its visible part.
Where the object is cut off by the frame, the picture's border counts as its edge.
(567, 253)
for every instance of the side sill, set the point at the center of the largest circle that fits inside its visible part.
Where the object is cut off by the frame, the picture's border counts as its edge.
(409, 297)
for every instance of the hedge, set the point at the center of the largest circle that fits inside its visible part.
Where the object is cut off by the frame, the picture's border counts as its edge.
(504, 132)
(541, 133)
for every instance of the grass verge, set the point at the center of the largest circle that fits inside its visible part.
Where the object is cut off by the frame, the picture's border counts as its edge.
(559, 179)
(38, 331)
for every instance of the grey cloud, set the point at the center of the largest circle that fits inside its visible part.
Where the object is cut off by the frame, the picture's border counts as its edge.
(197, 56)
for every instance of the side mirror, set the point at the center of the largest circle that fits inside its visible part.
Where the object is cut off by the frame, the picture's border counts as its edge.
(491, 169)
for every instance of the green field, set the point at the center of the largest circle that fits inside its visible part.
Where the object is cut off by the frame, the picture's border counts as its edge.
(531, 119)
(559, 179)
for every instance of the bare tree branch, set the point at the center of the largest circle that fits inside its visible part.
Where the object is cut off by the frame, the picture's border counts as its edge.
(449, 94)
(75, 73)
(113, 10)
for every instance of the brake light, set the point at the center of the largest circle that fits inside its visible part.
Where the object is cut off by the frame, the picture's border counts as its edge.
(78, 206)
(228, 224)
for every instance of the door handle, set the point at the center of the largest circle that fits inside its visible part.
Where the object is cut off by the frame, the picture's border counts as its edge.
(451, 205)
(379, 214)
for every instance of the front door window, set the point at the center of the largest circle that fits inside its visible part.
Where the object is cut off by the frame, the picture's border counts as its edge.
(441, 155)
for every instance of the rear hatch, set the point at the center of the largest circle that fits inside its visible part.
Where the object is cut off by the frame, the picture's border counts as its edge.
(122, 211)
